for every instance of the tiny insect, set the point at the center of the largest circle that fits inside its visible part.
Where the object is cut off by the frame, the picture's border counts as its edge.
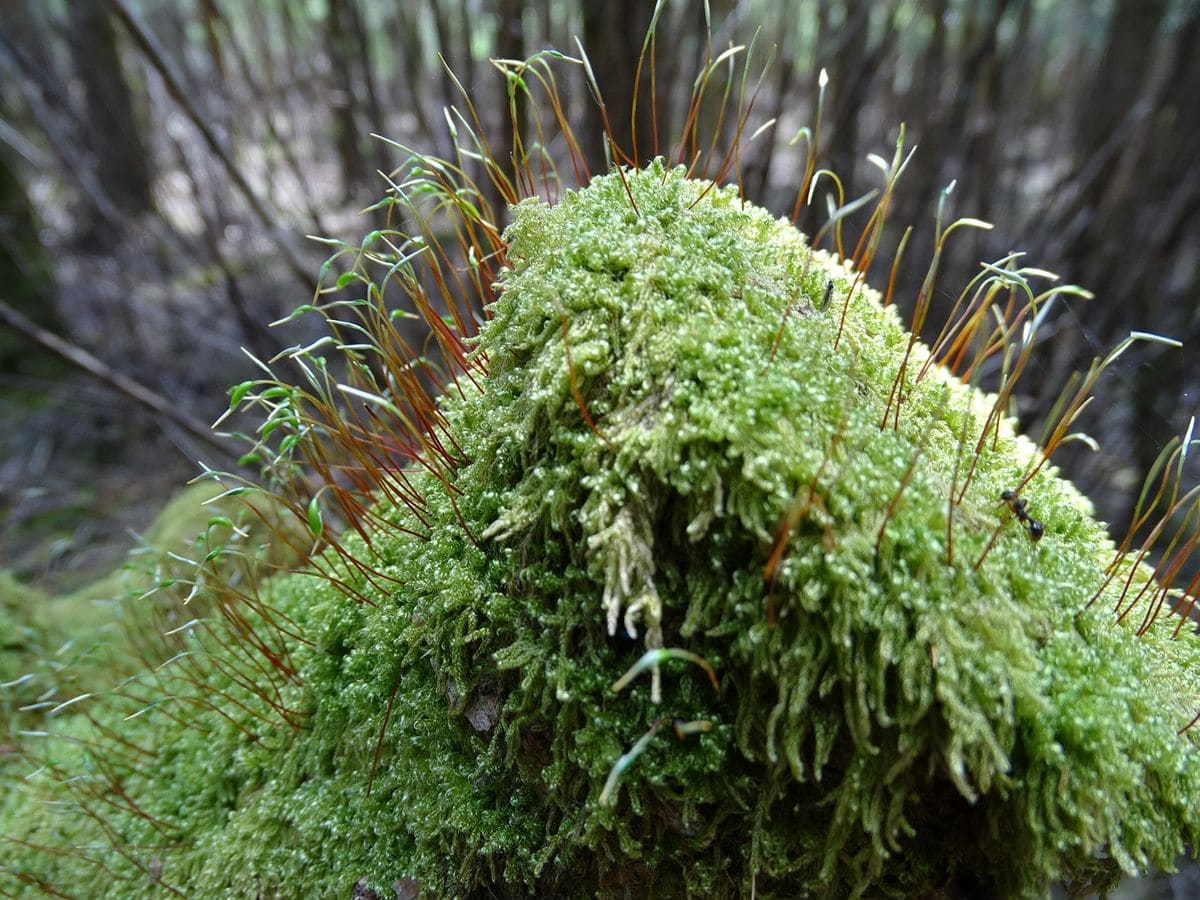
(828, 295)
(1020, 509)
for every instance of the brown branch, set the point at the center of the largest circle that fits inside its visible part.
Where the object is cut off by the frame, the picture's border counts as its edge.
(123, 384)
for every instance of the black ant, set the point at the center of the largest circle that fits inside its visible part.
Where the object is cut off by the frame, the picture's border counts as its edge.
(1020, 509)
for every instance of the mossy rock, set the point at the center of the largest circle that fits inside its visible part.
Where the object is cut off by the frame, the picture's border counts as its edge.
(680, 445)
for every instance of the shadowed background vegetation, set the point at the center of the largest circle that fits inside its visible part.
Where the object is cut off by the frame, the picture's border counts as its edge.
(161, 163)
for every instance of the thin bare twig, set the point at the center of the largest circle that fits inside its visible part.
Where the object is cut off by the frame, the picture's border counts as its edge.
(118, 381)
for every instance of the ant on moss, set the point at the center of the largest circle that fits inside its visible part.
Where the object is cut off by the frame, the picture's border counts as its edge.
(1020, 509)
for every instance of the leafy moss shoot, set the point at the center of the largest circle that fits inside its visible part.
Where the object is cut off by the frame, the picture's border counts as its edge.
(696, 580)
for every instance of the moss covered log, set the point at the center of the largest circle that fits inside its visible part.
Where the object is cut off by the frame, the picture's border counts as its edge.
(850, 667)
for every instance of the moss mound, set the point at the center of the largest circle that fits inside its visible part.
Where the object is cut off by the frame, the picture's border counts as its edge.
(669, 454)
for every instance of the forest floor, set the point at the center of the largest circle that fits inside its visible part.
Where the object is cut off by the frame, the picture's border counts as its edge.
(83, 468)
(66, 518)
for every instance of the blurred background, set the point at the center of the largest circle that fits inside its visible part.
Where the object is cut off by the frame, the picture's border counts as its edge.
(161, 162)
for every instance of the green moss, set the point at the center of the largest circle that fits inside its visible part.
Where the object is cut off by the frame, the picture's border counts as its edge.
(909, 723)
